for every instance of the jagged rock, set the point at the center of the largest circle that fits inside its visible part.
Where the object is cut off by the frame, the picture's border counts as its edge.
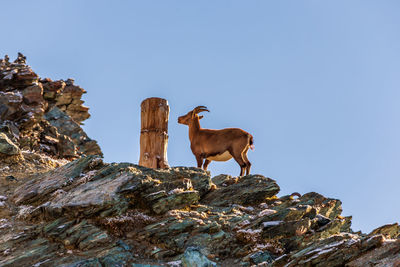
(285, 228)
(33, 94)
(66, 147)
(206, 227)
(10, 106)
(6, 59)
(333, 227)
(62, 122)
(222, 180)
(69, 100)
(390, 231)
(7, 147)
(296, 212)
(21, 59)
(309, 205)
(9, 129)
(250, 189)
(346, 226)
(108, 189)
(23, 77)
(298, 222)
(71, 130)
(194, 258)
(51, 89)
(85, 205)
(333, 251)
(24, 101)
(327, 207)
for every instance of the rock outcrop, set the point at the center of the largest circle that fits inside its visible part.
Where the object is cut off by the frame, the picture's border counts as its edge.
(41, 115)
(55, 211)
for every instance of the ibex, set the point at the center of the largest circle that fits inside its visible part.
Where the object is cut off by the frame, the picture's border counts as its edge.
(218, 145)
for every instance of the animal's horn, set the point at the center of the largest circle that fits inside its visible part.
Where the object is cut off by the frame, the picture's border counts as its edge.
(200, 109)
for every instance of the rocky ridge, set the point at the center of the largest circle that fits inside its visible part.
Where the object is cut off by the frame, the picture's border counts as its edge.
(85, 212)
(41, 115)
(91, 213)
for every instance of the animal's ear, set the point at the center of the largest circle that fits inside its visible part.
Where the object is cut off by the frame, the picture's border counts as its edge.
(200, 117)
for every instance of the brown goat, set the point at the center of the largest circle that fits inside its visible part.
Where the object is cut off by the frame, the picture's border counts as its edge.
(217, 145)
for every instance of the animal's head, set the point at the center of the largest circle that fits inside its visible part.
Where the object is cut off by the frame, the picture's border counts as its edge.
(191, 115)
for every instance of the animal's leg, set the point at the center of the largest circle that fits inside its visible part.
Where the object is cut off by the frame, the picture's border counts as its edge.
(237, 155)
(199, 161)
(246, 160)
(205, 165)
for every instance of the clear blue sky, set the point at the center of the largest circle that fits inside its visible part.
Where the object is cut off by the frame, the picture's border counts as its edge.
(316, 82)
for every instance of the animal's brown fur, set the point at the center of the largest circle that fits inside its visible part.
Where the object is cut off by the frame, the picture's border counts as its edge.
(208, 144)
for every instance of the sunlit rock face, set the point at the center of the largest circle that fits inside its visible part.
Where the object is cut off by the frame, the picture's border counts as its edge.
(61, 205)
(42, 115)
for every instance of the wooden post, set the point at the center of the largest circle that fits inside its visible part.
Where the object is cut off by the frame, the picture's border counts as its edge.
(154, 133)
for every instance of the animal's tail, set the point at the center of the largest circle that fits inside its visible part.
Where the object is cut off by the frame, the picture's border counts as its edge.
(251, 143)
